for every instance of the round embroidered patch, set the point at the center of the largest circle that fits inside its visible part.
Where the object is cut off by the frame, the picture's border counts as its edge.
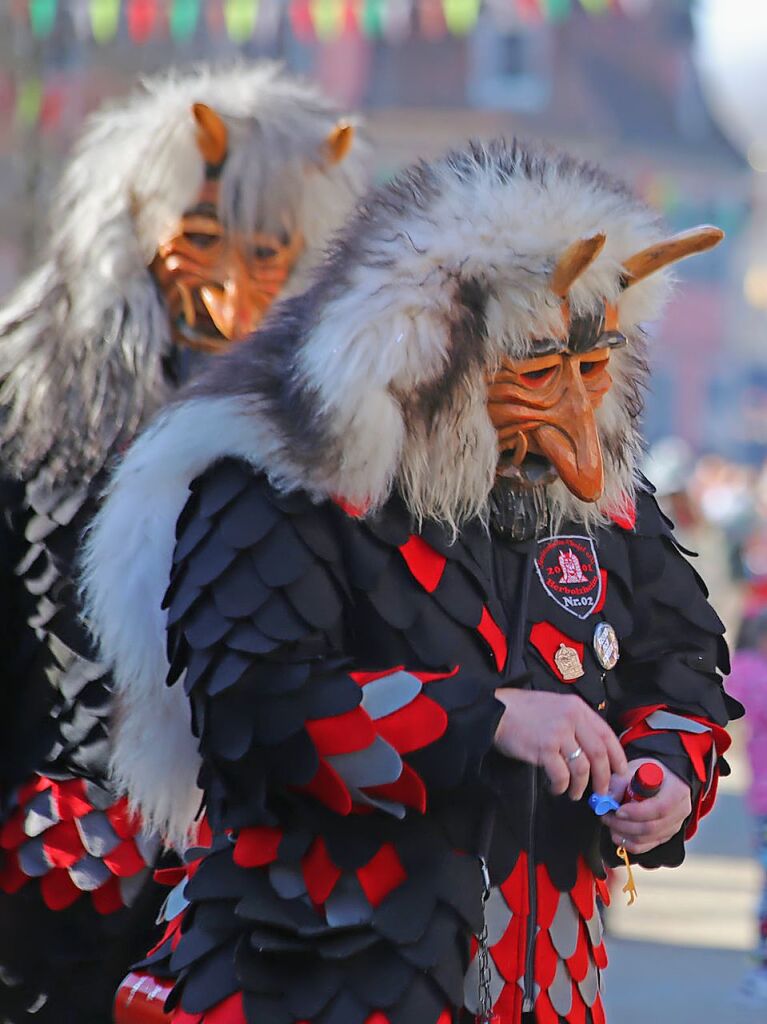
(568, 569)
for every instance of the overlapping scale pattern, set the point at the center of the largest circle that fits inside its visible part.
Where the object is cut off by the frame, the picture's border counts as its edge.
(341, 671)
(314, 902)
(67, 838)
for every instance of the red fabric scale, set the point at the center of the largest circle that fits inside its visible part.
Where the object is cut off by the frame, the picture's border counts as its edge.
(70, 800)
(493, 635)
(256, 847)
(63, 845)
(342, 734)
(408, 789)
(426, 564)
(108, 899)
(546, 639)
(320, 873)
(381, 875)
(413, 727)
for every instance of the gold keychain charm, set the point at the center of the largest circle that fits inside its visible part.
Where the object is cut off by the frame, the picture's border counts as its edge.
(630, 888)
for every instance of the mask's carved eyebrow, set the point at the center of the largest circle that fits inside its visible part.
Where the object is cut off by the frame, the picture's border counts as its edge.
(585, 332)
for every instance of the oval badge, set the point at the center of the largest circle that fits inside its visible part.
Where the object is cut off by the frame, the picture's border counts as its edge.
(606, 646)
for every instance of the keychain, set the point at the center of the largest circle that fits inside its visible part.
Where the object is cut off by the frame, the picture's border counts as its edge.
(645, 783)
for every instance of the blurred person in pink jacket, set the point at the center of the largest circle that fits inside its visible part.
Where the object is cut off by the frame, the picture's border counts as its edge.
(748, 683)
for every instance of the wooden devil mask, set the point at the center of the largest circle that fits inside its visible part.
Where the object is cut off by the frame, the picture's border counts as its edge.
(218, 283)
(543, 408)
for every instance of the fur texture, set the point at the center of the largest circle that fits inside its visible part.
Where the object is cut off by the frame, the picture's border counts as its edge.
(84, 339)
(375, 378)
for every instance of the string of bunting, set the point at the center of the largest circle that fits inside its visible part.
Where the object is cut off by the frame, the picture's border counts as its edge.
(322, 20)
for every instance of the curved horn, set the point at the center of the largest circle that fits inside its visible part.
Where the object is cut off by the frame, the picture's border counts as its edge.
(661, 254)
(212, 134)
(338, 143)
(573, 262)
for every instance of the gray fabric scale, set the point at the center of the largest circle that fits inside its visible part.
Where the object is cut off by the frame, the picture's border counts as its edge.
(589, 987)
(560, 991)
(396, 810)
(32, 859)
(175, 903)
(89, 873)
(497, 916)
(97, 835)
(147, 846)
(41, 814)
(564, 927)
(594, 928)
(374, 766)
(130, 887)
(287, 880)
(388, 694)
(347, 904)
(471, 985)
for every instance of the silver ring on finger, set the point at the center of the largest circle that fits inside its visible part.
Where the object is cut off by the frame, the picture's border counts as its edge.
(575, 755)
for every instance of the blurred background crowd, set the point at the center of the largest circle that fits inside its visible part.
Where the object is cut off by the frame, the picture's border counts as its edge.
(669, 94)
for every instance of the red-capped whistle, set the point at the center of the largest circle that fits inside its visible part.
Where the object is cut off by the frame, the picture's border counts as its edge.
(645, 783)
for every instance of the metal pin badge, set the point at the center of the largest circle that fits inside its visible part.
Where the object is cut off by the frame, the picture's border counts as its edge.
(606, 646)
(567, 661)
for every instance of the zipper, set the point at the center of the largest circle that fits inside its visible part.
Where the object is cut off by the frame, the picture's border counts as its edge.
(528, 998)
(518, 645)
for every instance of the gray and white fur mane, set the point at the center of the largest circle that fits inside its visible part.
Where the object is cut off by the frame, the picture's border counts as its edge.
(83, 339)
(373, 379)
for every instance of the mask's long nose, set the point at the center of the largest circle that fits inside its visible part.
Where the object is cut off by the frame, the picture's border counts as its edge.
(233, 308)
(570, 440)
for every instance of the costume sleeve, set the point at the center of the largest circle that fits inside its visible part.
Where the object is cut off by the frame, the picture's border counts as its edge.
(666, 695)
(258, 611)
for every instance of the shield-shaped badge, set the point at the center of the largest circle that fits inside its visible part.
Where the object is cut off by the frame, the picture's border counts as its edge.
(568, 569)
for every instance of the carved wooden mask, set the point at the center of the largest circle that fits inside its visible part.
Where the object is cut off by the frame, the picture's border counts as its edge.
(543, 408)
(218, 284)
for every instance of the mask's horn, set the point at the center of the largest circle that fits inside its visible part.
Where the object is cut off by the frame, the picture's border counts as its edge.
(212, 134)
(573, 261)
(661, 254)
(338, 143)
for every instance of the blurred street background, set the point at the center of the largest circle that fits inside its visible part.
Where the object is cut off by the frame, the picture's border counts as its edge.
(671, 95)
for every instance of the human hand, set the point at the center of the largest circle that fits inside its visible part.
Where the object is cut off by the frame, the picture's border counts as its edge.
(643, 825)
(546, 729)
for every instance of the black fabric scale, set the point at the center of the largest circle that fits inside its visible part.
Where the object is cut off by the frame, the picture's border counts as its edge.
(273, 601)
(54, 699)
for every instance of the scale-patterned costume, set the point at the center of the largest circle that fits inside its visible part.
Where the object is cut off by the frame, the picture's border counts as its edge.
(341, 654)
(90, 346)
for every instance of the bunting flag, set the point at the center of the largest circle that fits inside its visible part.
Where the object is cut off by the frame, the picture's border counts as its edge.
(309, 20)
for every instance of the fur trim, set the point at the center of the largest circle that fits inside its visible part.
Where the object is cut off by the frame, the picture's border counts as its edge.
(84, 340)
(127, 558)
(374, 378)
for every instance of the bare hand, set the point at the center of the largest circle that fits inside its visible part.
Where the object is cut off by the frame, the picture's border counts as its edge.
(642, 826)
(544, 728)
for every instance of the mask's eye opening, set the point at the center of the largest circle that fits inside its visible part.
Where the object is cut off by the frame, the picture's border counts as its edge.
(589, 369)
(538, 377)
(202, 241)
(263, 252)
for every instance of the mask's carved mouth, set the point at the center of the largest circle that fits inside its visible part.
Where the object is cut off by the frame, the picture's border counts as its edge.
(534, 471)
